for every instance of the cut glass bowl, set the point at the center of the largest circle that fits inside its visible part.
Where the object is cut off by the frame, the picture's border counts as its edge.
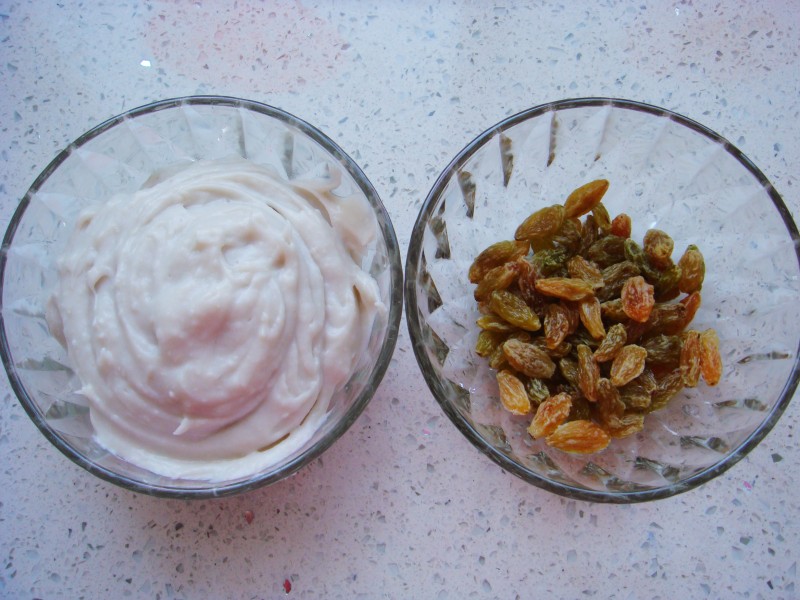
(119, 156)
(666, 172)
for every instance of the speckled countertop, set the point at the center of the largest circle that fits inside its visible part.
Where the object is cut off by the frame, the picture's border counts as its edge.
(402, 506)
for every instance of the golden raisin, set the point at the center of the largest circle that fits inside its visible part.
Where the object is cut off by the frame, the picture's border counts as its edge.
(602, 218)
(569, 236)
(492, 322)
(693, 270)
(528, 359)
(537, 390)
(666, 388)
(550, 414)
(628, 364)
(494, 256)
(542, 224)
(579, 437)
(637, 299)
(657, 247)
(497, 359)
(512, 393)
(588, 373)
(621, 226)
(612, 310)
(710, 359)
(564, 287)
(585, 198)
(612, 343)
(498, 278)
(513, 309)
(690, 359)
(580, 268)
(626, 425)
(692, 303)
(592, 318)
(556, 324)
(488, 342)
(526, 282)
(609, 404)
(635, 395)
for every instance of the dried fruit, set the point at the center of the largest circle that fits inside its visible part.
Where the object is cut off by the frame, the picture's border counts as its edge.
(494, 256)
(550, 414)
(579, 437)
(615, 277)
(564, 287)
(591, 317)
(488, 342)
(550, 261)
(513, 309)
(612, 310)
(570, 235)
(602, 218)
(588, 373)
(492, 322)
(692, 303)
(628, 364)
(710, 359)
(693, 270)
(657, 247)
(635, 330)
(573, 314)
(667, 318)
(526, 282)
(585, 198)
(580, 268)
(621, 226)
(537, 390)
(497, 359)
(588, 234)
(666, 388)
(581, 409)
(607, 251)
(690, 359)
(544, 223)
(528, 359)
(569, 371)
(556, 324)
(512, 393)
(666, 283)
(586, 296)
(609, 405)
(648, 380)
(563, 349)
(637, 299)
(634, 253)
(612, 344)
(626, 425)
(663, 350)
(498, 278)
(635, 395)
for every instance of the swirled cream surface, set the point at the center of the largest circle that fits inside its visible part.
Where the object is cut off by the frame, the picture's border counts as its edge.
(211, 315)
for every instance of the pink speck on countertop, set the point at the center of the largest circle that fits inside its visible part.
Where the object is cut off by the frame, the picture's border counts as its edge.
(287, 586)
(748, 485)
(426, 431)
(249, 516)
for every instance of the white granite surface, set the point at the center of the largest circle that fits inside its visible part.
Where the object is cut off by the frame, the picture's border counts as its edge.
(402, 506)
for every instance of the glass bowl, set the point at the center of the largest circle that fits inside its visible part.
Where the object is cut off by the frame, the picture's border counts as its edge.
(665, 171)
(119, 156)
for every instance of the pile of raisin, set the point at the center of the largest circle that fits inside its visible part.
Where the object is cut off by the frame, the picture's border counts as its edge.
(585, 327)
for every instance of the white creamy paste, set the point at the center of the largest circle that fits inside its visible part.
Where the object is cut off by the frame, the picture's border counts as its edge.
(211, 315)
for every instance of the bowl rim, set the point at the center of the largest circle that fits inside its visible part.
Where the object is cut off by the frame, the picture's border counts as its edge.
(202, 491)
(435, 384)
